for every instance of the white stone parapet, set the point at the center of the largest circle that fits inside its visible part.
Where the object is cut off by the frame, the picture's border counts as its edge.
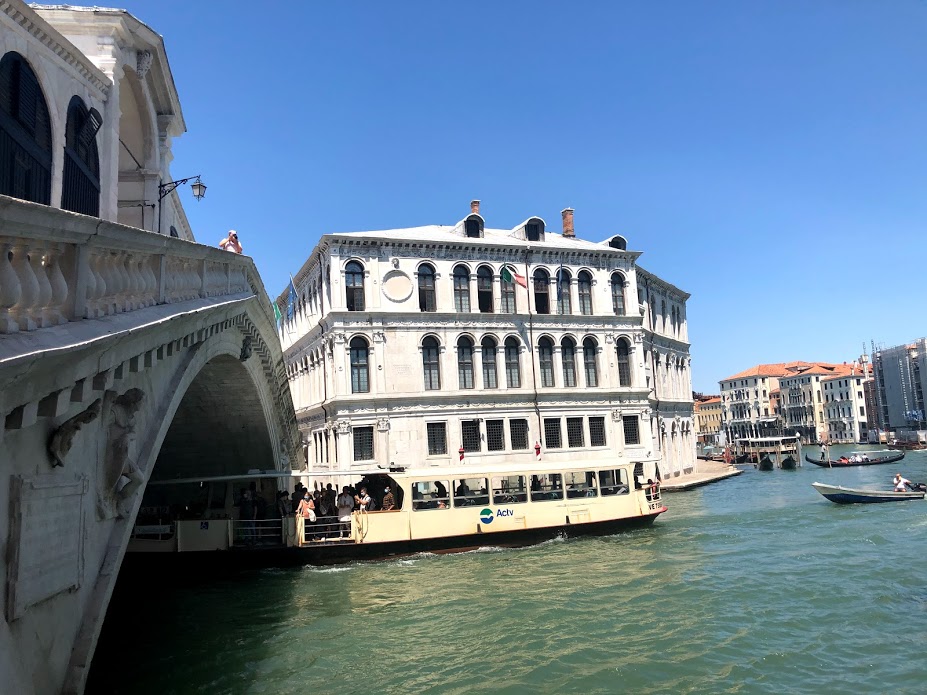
(57, 266)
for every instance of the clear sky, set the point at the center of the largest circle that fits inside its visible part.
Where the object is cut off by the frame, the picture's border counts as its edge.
(767, 156)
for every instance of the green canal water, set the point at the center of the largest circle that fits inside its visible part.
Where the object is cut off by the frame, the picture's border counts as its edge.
(756, 584)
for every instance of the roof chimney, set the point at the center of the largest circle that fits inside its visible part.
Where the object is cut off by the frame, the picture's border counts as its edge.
(474, 207)
(568, 222)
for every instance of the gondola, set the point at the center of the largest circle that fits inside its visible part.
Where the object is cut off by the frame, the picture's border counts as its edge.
(846, 495)
(891, 458)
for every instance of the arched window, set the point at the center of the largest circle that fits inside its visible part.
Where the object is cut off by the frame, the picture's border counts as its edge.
(461, 289)
(431, 365)
(564, 299)
(80, 187)
(488, 346)
(426, 288)
(465, 362)
(590, 362)
(623, 351)
(584, 287)
(507, 284)
(174, 232)
(618, 304)
(473, 227)
(484, 289)
(568, 359)
(541, 291)
(360, 375)
(663, 315)
(512, 364)
(25, 133)
(546, 361)
(354, 286)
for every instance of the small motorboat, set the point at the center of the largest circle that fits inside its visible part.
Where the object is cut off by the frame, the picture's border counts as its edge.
(845, 462)
(846, 495)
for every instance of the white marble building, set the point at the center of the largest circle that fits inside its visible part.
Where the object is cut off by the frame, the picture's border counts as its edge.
(87, 121)
(846, 419)
(420, 347)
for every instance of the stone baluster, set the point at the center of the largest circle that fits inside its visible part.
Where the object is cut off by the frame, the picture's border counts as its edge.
(29, 289)
(59, 287)
(114, 283)
(98, 264)
(123, 302)
(43, 299)
(151, 280)
(10, 290)
(85, 258)
(133, 290)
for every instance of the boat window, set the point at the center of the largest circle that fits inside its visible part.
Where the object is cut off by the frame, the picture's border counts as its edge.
(546, 486)
(510, 489)
(430, 495)
(580, 484)
(470, 492)
(613, 482)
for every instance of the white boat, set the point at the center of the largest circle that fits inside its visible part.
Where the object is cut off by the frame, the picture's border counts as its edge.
(766, 453)
(437, 510)
(846, 495)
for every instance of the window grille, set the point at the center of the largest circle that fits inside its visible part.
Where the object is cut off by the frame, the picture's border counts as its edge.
(80, 185)
(470, 435)
(495, 435)
(437, 438)
(575, 435)
(518, 433)
(552, 438)
(631, 429)
(596, 431)
(363, 443)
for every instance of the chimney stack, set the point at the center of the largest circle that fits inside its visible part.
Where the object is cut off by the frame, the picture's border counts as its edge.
(568, 222)
(474, 207)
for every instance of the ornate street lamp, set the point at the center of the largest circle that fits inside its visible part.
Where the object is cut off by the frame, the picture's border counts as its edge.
(198, 188)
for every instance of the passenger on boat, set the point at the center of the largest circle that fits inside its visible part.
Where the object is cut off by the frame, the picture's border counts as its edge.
(283, 504)
(345, 504)
(296, 497)
(843, 459)
(363, 501)
(246, 514)
(306, 508)
(389, 503)
(901, 483)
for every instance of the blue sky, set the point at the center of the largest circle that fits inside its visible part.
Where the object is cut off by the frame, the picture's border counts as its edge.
(768, 156)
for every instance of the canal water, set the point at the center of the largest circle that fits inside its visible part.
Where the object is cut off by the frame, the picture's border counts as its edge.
(755, 584)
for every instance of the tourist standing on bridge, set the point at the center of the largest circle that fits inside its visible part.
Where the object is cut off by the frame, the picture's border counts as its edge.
(231, 243)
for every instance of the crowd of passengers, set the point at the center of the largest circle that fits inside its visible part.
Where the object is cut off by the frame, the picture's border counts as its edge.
(329, 514)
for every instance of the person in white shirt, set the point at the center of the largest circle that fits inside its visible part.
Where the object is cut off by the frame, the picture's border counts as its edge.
(345, 504)
(231, 243)
(901, 484)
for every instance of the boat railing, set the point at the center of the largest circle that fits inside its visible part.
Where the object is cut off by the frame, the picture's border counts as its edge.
(322, 529)
(654, 496)
(256, 532)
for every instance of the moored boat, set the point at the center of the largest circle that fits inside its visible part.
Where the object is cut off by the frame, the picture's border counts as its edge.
(436, 510)
(848, 461)
(767, 453)
(846, 495)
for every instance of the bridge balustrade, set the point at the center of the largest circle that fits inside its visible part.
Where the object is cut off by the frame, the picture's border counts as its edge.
(57, 267)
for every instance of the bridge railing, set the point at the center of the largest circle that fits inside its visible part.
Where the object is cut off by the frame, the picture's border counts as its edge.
(57, 266)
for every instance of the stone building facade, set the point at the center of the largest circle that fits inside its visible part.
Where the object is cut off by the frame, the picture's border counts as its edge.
(708, 420)
(846, 418)
(444, 345)
(88, 109)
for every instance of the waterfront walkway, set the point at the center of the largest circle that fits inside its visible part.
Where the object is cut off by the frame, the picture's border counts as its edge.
(707, 472)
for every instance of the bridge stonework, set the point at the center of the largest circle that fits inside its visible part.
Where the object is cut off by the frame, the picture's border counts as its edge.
(125, 356)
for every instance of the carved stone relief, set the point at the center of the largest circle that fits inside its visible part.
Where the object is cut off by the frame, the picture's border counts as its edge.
(119, 477)
(62, 439)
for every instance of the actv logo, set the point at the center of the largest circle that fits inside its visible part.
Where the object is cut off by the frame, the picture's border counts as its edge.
(486, 516)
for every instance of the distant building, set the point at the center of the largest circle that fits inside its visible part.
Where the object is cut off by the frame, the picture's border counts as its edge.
(845, 414)
(88, 110)
(747, 403)
(900, 375)
(462, 344)
(708, 419)
(802, 399)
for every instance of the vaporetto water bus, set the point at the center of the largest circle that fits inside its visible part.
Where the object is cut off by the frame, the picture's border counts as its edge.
(436, 510)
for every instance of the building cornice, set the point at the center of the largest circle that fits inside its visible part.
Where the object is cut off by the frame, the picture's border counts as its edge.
(48, 36)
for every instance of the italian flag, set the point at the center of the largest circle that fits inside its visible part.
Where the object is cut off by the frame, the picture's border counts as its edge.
(509, 275)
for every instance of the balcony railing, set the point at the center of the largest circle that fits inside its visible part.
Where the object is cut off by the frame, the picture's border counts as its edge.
(57, 267)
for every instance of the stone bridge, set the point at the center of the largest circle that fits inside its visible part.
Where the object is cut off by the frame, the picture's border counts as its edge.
(124, 355)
